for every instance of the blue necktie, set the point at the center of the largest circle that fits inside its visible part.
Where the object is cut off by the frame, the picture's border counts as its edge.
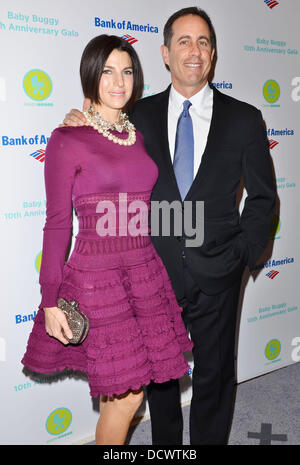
(184, 151)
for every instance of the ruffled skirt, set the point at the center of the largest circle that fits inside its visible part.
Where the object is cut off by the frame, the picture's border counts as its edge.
(136, 331)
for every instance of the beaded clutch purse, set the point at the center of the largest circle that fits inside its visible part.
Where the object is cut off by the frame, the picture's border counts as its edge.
(77, 320)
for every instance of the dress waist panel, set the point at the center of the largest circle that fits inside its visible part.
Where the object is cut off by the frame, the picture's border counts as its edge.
(109, 245)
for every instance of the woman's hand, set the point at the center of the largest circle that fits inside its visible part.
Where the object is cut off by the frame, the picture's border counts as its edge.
(55, 321)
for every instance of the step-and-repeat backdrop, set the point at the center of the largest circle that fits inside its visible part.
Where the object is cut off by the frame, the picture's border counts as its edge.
(41, 47)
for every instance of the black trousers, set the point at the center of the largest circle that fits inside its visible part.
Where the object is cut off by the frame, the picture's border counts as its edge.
(211, 321)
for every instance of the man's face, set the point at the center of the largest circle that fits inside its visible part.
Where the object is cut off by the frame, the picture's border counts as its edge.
(189, 55)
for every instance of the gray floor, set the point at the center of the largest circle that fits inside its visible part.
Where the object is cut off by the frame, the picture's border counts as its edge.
(267, 411)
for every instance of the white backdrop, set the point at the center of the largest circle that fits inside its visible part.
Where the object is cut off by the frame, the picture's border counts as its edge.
(258, 41)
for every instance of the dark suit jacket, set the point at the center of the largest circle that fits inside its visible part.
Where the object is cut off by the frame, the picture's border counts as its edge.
(236, 149)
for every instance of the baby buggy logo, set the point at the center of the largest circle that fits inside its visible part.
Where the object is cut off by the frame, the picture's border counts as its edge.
(272, 350)
(271, 92)
(275, 227)
(38, 261)
(38, 86)
(58, 422)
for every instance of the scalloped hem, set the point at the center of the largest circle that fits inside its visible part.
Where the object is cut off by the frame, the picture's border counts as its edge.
(111, 391)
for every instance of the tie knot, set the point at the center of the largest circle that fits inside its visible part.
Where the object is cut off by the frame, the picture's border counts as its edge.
(186, 106)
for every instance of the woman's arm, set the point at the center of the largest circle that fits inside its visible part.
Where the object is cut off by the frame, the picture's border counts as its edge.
(60, 169)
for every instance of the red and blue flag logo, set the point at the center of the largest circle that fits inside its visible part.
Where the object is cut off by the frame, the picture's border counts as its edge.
(38, 155)
(130, 39)
(272, 274)
(271, 3)
(272, 143)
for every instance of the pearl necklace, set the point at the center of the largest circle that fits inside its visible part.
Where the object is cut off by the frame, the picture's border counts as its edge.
(104, 127)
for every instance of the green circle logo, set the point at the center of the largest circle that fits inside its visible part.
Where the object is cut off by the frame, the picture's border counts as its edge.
(275, 227)
(58, 421)
(271, 91)
(38, 262)
(272, 349)
(37, 84)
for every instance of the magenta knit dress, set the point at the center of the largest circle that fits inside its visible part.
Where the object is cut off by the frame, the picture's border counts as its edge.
(136, 330)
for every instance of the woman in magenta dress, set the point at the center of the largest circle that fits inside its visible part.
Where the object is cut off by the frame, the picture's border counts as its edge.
(136, 332)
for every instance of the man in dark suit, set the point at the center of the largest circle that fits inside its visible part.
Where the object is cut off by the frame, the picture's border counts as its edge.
(204, 143)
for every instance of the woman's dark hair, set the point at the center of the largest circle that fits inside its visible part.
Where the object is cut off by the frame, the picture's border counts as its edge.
(93, 61)
(184, 12)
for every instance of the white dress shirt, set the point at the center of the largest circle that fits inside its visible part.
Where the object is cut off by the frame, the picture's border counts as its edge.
(201, 114)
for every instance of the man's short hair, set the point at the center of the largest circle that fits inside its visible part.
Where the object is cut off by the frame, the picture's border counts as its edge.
(168, 33)
(93, 61)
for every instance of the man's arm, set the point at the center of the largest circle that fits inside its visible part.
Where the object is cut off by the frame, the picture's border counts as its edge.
(258, 211)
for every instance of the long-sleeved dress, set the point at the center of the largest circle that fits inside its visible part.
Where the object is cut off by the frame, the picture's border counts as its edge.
(136, 331)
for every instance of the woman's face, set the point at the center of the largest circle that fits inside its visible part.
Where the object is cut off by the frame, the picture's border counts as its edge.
(116, 82)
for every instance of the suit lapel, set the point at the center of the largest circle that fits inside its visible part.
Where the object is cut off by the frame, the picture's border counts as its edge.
(162, 134)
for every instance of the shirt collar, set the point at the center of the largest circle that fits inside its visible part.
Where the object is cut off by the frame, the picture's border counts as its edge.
(197, 100)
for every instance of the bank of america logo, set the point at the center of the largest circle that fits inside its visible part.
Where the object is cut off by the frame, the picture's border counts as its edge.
(271, 3)
(272, 143)
(272, 274)
(38, 155)
(130, 39)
